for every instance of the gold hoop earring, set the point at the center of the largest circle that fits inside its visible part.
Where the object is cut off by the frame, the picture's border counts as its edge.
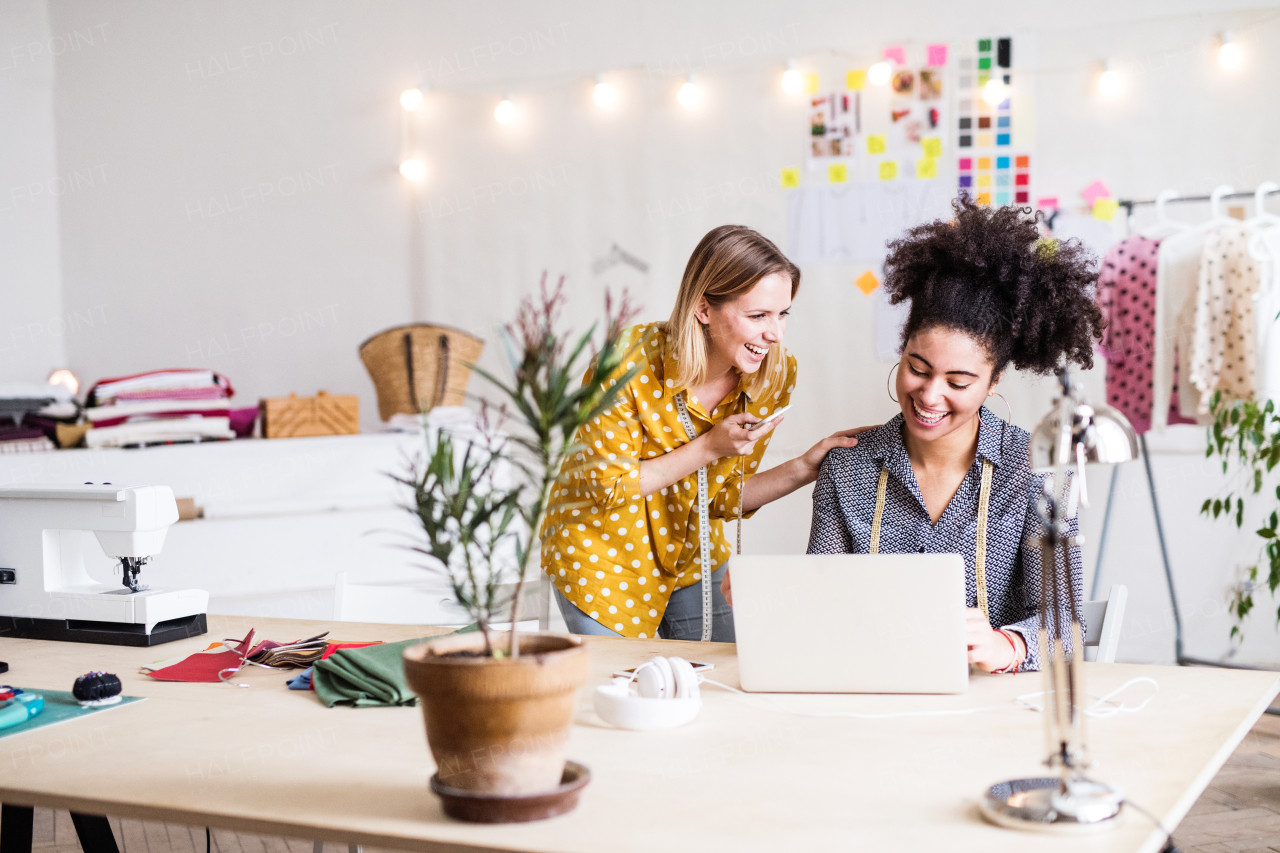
(888, 384)
(1007, 407)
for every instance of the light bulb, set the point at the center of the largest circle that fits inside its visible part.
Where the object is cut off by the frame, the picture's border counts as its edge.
(1109, 81)
(604, 95)
(413, 169)
(411, 99)
(504, 112)
(792, 80)
(879, 73)
(689, 94)
(995, 92)
(1230, 56)
(66, 378)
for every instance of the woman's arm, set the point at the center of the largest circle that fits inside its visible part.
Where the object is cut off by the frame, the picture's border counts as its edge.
(784, 479)
(727, 438)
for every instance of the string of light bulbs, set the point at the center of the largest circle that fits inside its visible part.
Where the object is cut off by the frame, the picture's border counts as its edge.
(1109, 82)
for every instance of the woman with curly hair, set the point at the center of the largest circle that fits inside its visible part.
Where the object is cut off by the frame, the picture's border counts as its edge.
(985, 293)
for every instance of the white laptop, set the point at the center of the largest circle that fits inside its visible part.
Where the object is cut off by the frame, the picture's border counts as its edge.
(851, 623)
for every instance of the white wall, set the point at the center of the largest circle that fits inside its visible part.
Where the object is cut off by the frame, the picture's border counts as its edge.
(202, 251)
(34, 324)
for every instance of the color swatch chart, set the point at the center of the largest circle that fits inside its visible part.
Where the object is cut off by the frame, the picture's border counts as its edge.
(990, 168)
(1002, 179)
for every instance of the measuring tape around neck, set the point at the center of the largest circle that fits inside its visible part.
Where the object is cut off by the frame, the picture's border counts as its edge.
(704, 530)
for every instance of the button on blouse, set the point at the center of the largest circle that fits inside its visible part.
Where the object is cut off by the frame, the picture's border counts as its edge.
(618, 556)
(844, 501)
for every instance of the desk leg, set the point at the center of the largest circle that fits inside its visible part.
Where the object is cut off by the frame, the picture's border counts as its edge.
(15, 828)
(95, 833)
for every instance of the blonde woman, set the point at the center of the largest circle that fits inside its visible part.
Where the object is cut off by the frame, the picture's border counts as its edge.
(621, 542)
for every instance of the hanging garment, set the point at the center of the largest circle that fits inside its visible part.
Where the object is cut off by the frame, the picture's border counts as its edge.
(1127, 296)
(1177, 275)
(1224, 353)
(1265, 247)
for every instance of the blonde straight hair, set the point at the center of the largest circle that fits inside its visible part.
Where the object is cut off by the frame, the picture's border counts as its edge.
(726, 264)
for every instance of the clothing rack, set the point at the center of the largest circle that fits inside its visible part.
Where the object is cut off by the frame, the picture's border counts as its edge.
(1130, 203)
(1182, 658)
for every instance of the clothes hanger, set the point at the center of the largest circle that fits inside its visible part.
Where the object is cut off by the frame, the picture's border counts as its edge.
(1262, 242)
(1164, 226)
(618, 255)
(1260, 214)
(1216, 216)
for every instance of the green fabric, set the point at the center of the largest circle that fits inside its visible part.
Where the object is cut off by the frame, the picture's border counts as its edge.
(371, 677)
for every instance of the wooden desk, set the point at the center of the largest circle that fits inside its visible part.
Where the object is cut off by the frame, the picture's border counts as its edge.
(742, 777)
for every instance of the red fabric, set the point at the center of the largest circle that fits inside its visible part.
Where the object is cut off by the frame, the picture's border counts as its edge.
(204, 667)
(220, 380)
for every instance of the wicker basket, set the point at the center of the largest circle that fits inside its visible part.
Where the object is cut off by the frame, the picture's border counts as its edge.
(420, 366)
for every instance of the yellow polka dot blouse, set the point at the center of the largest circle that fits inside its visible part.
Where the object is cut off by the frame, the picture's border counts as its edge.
(616, 555)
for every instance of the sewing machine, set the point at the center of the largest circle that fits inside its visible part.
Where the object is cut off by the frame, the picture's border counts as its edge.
(46, 592)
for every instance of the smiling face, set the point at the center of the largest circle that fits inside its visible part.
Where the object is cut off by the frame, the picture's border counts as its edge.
(943, 380)
(742, 330)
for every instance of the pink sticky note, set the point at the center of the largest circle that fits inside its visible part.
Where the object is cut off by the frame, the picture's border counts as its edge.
(966, 164)
(937, 54)
(897, 53)
(1095, 191)
(1047, 202)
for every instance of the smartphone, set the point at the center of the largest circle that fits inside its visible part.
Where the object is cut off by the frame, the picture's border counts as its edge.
(758, 424)
(697, 667)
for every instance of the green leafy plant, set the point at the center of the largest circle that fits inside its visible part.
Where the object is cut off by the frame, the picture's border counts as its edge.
(464, 509)
(1249, 433)
(467, 517)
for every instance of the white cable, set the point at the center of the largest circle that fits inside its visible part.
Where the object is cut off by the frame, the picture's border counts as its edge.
(1094, 710)
(1020, 702)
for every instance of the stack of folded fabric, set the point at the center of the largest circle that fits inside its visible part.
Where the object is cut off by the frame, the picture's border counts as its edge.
(24, 408)
(159, 407)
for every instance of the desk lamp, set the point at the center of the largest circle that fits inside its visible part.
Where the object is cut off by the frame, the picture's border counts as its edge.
(1076, 434)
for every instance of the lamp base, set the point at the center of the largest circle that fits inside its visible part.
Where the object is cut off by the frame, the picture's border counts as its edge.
(1048, 804)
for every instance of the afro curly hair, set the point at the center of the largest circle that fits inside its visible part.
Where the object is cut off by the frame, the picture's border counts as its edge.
(988, 273)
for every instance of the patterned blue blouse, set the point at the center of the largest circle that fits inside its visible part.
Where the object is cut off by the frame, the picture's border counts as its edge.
(844, 502)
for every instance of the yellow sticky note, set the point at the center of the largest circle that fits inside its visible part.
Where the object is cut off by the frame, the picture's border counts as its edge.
(984, 199)
(790, 177)
(876, 143)
(856, 79)
(984, 162)
(926, 167)
(1105, 209)
(837, 173)
(867, 282)
(810, 82)
(984, 180)
(888, 170)
(932, 146)
(984, 140)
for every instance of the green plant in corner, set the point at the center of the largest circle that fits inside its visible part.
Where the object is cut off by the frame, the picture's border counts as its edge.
(1249, 433)
(469, 507)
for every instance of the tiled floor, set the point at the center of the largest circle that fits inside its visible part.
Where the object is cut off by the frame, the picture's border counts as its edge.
(1238, 813)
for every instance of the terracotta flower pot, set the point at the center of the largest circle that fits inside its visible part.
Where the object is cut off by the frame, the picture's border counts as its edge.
(498, 726)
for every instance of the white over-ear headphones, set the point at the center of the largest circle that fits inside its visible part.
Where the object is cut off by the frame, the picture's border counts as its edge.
(666, 696)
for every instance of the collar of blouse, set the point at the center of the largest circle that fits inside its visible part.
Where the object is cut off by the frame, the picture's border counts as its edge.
(887, 446)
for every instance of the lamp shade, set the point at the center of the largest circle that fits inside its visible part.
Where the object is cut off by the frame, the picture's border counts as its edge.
(1106, 434)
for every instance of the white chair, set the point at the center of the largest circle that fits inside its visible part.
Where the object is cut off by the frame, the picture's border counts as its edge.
(428, 603)
(1103, 619)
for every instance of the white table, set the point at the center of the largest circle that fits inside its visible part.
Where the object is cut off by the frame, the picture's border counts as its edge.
(741, 777)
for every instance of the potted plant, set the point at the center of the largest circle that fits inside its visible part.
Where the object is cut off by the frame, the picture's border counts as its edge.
(498, 707)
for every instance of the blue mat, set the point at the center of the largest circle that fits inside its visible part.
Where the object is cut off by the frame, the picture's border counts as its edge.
(60, 706)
